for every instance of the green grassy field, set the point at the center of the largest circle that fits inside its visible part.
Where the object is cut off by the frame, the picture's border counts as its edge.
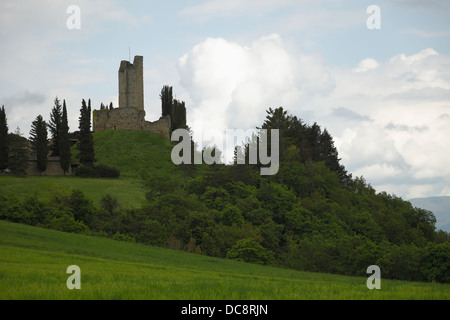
(128, 191)
(33, 264)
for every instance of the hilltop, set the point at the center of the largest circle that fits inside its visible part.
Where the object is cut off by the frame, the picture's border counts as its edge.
(440, 206)
(133, 152)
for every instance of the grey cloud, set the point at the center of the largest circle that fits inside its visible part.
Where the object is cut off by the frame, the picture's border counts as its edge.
(406, 177)
(343, 112)
(23, 98)
(429, 94)
(421, 4)
(218, 8)
(402, 127)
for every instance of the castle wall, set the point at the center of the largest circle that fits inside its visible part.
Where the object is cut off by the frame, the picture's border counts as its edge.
(161, 126)
(129, 119)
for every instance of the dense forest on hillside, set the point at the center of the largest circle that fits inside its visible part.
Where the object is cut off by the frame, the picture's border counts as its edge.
(312, 215)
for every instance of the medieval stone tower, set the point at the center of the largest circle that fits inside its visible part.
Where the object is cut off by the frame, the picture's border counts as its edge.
(131, 84)
(130, 115)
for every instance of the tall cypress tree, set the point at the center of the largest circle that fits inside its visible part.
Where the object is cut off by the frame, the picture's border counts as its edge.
(64, 141)
(39, 139)
(178, 115)
(174, 116)
(86, 143)
(55, 126)
(3, 140)
(166, 100)
(183, 118)
(173, 108)
(18, 153)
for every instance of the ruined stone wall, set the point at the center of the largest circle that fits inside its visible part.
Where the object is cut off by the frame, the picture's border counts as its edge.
(129, 119)
(119, 119)
(131, 84)
(161, 127)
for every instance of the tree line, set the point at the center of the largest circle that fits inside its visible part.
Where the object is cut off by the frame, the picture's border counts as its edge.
(16, 151)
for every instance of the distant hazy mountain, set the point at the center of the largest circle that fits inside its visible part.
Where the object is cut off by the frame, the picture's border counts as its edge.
(440, 206)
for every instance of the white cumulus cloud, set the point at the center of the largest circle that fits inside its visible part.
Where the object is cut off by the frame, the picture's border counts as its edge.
(231, 85)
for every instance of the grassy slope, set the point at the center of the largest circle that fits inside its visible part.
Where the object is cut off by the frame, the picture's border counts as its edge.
(130, 151)
(129, 192)
(33, 263)
(134, 151)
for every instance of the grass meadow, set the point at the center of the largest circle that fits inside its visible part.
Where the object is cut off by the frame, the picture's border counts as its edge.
(33, 264)
(128, 191)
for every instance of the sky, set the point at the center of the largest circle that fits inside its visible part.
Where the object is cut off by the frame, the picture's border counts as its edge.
(378, 81)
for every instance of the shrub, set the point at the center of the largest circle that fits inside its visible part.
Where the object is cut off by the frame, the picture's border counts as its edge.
(123, 237)
(80, 206)
(110, 204)
(105, 171)
(87, 172)
(67, 223)
(12, 209)
(249, 250)
(435, 265)
(98, 171)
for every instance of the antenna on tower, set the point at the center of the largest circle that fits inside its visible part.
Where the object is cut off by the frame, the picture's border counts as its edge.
(129, 54)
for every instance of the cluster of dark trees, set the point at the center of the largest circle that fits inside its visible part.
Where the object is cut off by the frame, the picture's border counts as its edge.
(173, 108)
(302, 143)
(105, 107)
(15, 148)
(15, 151)
(88, 166)
(86, 140)
(4, 140)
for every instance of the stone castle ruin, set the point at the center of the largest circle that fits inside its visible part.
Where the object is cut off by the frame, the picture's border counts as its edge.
(130, 115)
